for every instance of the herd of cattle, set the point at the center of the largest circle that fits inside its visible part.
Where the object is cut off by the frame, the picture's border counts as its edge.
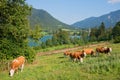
(76, 55)
(79, 55)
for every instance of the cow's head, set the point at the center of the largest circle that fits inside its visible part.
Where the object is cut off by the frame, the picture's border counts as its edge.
(84, 54)
(11, 73)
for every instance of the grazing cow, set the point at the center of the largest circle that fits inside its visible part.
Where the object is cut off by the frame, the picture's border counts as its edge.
(66, 53)
(78, 55)
(105, 50)
(17, 63)
(89, 51)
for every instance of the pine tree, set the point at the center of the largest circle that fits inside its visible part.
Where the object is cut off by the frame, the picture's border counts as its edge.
(101, 32)
(116, 32)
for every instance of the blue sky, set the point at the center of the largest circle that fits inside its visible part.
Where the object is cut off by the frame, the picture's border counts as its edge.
(71, 11)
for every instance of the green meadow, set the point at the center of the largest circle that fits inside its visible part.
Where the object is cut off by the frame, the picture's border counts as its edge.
(59, 67)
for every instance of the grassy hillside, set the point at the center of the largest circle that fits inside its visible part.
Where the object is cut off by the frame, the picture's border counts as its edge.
(58, 67)
(45, 20)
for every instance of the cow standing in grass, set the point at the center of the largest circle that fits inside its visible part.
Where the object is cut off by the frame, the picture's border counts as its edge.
(67, 53)
(78, 55)
(89, 52)
(17, 63)
(105, 50)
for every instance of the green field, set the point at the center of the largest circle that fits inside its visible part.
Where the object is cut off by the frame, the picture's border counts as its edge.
(58, 67)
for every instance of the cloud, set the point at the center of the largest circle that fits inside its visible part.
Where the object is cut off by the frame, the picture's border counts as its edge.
(113, 1)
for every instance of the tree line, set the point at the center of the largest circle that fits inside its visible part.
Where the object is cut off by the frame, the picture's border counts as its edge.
(102, 33)
(61, 37)
(94, 34)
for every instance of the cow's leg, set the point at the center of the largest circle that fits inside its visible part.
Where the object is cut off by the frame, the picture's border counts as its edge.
(81, 59)
(108, 53)
(16, 70)
(22, 67)
(65, 55)
(74, 60)
(97, 53)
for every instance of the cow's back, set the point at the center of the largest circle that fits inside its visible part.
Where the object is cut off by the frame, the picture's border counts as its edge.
(100, 49)
(78, 54)
(17, 62)
(21, 59)
(89, 51)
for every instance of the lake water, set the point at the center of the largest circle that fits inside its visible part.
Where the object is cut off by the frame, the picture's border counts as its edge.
(43, 39)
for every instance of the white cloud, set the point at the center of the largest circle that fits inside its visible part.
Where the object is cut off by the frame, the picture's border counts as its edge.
(113, 1)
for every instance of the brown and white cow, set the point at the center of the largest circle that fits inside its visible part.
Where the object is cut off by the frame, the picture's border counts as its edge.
(17, 63)
(78, 55)
(105, 50)
(67, 53)
(89, 51)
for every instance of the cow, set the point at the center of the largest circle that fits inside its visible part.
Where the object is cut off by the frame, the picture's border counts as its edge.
(89, 52)
(17, 63)
(105, 50)
(67, 53)
(78, 55)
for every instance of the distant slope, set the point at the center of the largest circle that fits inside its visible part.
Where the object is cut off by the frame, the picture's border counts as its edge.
(109, 20)
(43, 18)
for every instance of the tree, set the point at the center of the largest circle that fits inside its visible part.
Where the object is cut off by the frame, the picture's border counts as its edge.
(93, 34)
(63, 37)
(36, 33)
(15, 30)
(101, 32)
(84, 36)
(108, 34)
(116, 32)
(102, 28)
(55, 40)
(49, 43)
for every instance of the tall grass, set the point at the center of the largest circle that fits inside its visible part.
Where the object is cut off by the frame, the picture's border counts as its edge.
(58, 67)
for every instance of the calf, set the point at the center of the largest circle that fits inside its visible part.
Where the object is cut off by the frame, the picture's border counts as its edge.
(17, 63)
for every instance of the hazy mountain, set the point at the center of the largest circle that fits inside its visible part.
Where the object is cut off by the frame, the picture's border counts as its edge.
(108, 19)
(43, 18)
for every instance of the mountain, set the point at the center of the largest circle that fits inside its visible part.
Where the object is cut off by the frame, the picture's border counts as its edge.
(109, 20)
(44, 19)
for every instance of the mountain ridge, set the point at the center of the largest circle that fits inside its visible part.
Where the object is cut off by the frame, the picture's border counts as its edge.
(109, 19)
(45, 20)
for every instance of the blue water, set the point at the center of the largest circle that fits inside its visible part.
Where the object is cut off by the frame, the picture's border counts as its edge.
(38, 43)
(43, 39)
(75, 36)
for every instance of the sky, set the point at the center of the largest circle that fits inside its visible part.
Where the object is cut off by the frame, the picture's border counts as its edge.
(71, 11)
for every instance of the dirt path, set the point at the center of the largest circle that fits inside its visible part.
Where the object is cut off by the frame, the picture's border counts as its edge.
(75, 48)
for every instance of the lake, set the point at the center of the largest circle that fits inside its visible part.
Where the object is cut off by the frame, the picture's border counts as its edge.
(32, 43)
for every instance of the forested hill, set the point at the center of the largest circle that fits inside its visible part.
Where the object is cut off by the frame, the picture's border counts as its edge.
(47, 21)
(109, 20)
